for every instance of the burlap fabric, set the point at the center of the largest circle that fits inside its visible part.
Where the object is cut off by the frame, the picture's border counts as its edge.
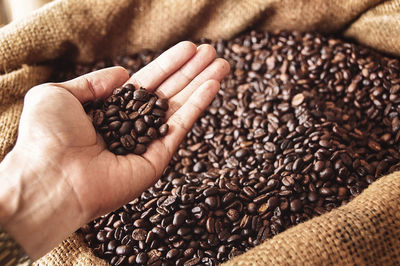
(366, 231)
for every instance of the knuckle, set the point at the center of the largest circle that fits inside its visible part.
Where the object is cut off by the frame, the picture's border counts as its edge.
(36, 93)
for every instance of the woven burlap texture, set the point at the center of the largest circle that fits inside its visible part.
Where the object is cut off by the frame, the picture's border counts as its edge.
(364, 231)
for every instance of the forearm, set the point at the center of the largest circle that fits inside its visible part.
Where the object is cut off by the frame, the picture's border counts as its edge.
(37, 211)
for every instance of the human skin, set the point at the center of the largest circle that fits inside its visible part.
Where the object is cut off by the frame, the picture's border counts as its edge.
(60, 175)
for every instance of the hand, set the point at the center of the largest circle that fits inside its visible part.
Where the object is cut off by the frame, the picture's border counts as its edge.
(60, 175)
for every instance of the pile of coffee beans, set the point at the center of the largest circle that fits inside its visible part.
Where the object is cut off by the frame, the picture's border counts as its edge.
(302, 124)
(129, 119)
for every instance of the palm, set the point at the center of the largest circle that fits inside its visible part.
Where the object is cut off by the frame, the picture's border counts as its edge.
(101, 180)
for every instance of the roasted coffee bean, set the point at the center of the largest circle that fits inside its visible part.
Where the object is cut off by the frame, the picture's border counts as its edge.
(199, 167)
(163, 130)
(144, 139)
(98, 118)
(158, 112)
(192, 262)
(141, 95)
(140, 149)
(295, 205)
(233, 215)
(301, 125)
(133, 115)
(123, 116)
(123, 250)
(128, 142)
(125, 127)
(298, 99)
(162, 104)
(172, 254)
(141, 258)
(139, 234)
(114, 145)
(112, 110)
(179, 217)
(115, 125)
(140, 126)
(152, 133)
(129, 87)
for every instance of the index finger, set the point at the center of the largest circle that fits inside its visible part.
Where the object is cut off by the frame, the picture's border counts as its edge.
(152, 75)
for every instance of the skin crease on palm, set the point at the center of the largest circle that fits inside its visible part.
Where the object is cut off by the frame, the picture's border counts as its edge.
(60, 175)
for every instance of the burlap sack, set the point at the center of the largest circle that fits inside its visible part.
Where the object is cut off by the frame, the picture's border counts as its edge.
(366, 231)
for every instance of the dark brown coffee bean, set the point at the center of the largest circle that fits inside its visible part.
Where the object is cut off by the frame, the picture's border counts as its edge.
(140, 126)
(192, 262)
(98, 118)
(115, 125)
(210, 225)
(163, 130)
(312, 196)
(211, 202)
(139, 149)
(162, 104)
(128, 142)
(189, 252)
(120, 151)
(272, 203)
(123, 116)
(319, 166)
(114, 145)
(233, 215)
(233, 238)
(141, 258)
(144, 139)
(133, 115)
(199, 167)
(179, 217)
(139, 234)
(125, 127)
(172, 254)
(123, 250)
(326, 173)
(152, 133)
(241, 153)
(298, 163)
(210, 191)
(295, 205)
(158, 112)
(112, 111)
(136, 106)
(374, 145)
(141, 95)
(297, 99)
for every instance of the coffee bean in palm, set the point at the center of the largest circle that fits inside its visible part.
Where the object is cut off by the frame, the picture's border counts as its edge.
(125, 127)
(141, 95)
(126, 121)
(98, 118)
(128, 142)
(162, 104)
(152, 133)
(301, 125)
(163, 130)
(140, 126)
(140, 149)
(158, 112)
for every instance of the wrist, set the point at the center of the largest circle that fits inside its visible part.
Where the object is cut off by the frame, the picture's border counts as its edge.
(37, 206)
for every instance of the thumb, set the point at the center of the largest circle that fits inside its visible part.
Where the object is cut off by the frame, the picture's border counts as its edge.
(97, 84)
